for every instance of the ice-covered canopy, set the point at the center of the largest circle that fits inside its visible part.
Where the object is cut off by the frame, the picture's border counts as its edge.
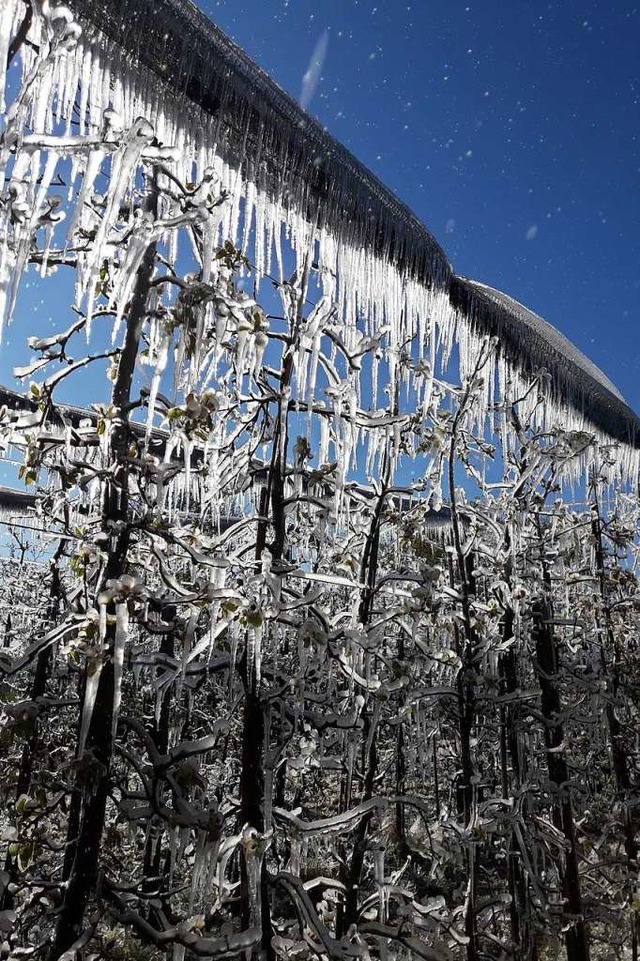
(165, 61)
(260, 129)
(529, 343)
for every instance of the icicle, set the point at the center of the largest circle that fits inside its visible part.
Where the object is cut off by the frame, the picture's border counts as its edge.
(323, 447)
(23, 247)
(93, 672)
(260, 341)
(249, 205)
(233, 654)
(123, 166)
(142, 236)
(179, 951)
(102, 621)
(253, 854)
(350, 761)
(162, 356)
(7, 17)
(378, 860)
(46, 250)
(121, 633)
(94, 163)
(254, 654)
(295, 851)
(187, 449)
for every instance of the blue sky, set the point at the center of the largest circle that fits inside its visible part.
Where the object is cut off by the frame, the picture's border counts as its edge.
(511, 127)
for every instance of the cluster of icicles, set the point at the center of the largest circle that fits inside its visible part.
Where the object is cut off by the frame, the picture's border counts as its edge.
(94, 119)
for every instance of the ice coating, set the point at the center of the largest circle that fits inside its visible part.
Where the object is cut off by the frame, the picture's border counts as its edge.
(285, 178)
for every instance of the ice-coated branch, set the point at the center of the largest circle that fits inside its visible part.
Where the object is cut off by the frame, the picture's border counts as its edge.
(231, 945)
(323, 942)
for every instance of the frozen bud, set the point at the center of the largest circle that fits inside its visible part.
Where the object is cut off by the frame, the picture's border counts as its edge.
(112, 119)
(59, 18)
(253, 842)
(310, 632)
(210, 399)
(94, 665)
(193, 407)
(105, 597)
(436, 500)
(57, 14)
(130, 585)
(245, 324)
(71, 36)
(260, 322)
(187, 774)
(301, 451)
(143, 130)
(19, 212)
(326, 911)
(308, 746)
(254, 614)
(250, 839)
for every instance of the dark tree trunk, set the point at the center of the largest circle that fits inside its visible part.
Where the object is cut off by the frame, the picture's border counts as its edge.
(85, 868)
(354, 871)
(576, 937)
(466, 686)
(522, 934)
(153, 852)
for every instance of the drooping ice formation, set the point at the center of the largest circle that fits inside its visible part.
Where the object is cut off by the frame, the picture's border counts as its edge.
(192, 98)
(527, 342)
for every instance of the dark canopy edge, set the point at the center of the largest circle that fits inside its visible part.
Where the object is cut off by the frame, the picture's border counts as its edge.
(530, 344)
(278, 144)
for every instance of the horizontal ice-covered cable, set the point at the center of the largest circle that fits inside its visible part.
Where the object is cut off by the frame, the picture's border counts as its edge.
(434, 522)
(14, 501)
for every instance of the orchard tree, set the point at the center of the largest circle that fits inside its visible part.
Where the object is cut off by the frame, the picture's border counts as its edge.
(273, 697)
